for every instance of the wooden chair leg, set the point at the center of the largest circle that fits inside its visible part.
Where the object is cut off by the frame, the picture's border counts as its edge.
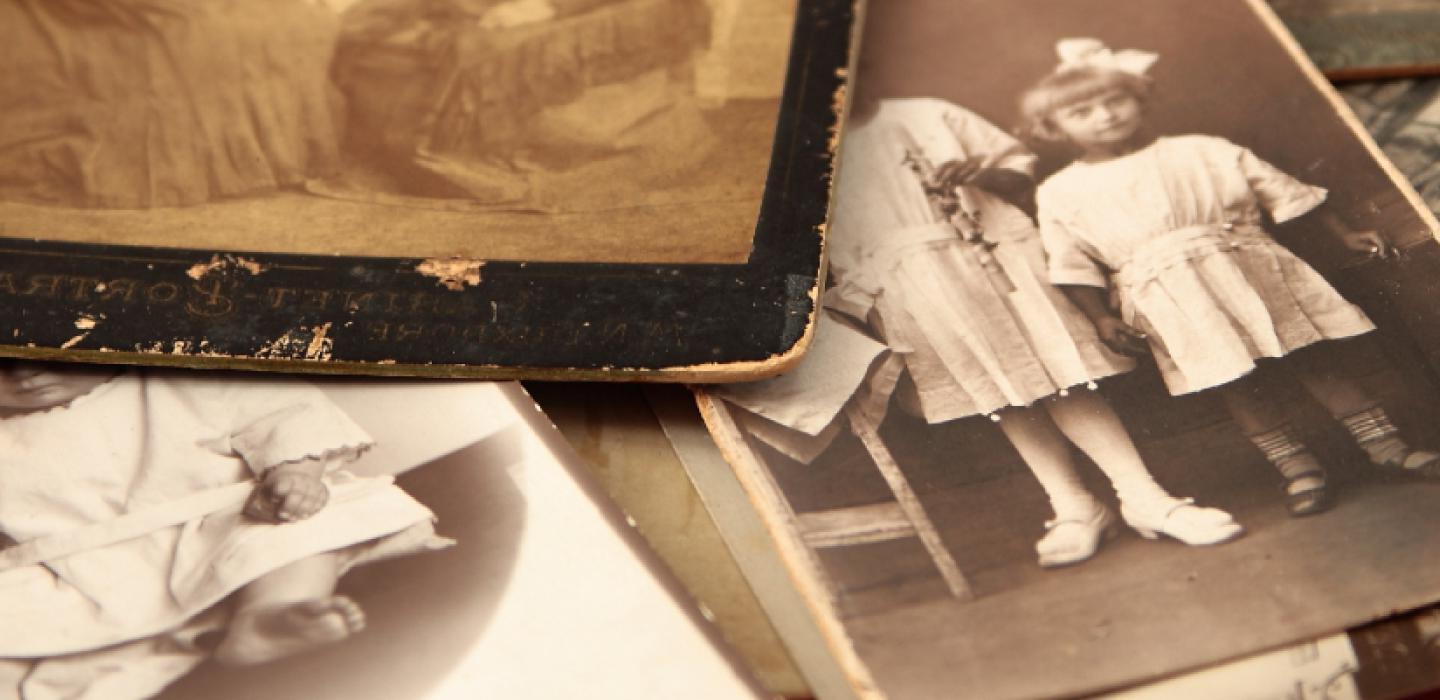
(909, 503)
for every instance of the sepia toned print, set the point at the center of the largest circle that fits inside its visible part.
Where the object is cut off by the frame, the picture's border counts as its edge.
(194, 518)
(1127, 365)
(576, 130)
(489, 189)
(171, 564)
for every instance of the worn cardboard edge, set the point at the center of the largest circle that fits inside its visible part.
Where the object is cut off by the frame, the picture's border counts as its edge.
(1363, 73)
(741, 528)
(739, 371)
(554, 442)
(779, 520)
(318, 357)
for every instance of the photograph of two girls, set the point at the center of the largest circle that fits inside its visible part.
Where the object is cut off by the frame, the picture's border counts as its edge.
(1161, 318)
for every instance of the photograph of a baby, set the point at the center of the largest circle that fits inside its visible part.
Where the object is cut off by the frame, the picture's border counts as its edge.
(224, 536)
(401, 128)
(152, 521)
(1117, 279)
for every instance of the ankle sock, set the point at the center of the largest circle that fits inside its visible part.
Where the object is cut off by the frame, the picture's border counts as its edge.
(1284, 449)
(1377, 435)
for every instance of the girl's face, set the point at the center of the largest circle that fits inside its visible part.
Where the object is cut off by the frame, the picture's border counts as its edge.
(1104, 121)
(35, 386)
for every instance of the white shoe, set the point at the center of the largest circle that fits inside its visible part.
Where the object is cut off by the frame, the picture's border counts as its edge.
(1073, 540)
(1181, 519)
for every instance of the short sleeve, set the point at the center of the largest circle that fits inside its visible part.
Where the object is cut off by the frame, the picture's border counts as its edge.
(275, 423)
(981, 138)
(1280, 194)
(1067, 261)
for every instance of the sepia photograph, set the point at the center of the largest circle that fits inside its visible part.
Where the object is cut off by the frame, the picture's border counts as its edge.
(1127, 364)
(557, 130)
(488, 189)
(190, 535)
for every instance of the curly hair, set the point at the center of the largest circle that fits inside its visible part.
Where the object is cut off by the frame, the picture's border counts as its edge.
(1067, 87)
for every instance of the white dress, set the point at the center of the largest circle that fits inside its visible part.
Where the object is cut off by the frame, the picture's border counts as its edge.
(970, 346)
(138, 449)
(1176, 228)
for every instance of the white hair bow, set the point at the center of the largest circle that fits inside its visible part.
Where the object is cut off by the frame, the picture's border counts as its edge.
(1093, 53)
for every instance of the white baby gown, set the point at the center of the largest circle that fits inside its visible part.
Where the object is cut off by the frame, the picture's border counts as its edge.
(1176, 227)
(145, 450)
(970, 346)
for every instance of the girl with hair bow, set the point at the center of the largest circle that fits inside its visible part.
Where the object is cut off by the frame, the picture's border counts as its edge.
(979, 328)
(1175, 226)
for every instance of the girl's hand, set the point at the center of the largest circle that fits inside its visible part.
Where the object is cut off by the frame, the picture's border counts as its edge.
(1368, 242)
(955, 173)
(1120, 336)
(286, 495)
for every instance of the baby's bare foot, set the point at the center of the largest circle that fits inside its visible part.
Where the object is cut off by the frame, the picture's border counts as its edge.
(260, 635)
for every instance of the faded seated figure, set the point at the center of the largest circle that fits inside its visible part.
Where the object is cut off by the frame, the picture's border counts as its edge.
(146, 104)
(531, 103)
(153, 521)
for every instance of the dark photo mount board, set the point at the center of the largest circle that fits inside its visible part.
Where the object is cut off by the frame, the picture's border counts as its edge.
(460, 316)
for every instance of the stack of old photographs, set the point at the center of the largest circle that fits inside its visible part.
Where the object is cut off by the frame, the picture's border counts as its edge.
(1123, 380)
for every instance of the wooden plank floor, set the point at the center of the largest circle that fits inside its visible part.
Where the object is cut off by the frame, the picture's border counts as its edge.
(1140, 608)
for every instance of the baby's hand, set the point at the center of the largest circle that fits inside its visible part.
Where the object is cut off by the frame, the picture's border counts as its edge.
(1120, 336)
(1368, 242)
(287, 494)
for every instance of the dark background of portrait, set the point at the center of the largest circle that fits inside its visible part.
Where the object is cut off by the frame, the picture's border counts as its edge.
(1220, 72)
